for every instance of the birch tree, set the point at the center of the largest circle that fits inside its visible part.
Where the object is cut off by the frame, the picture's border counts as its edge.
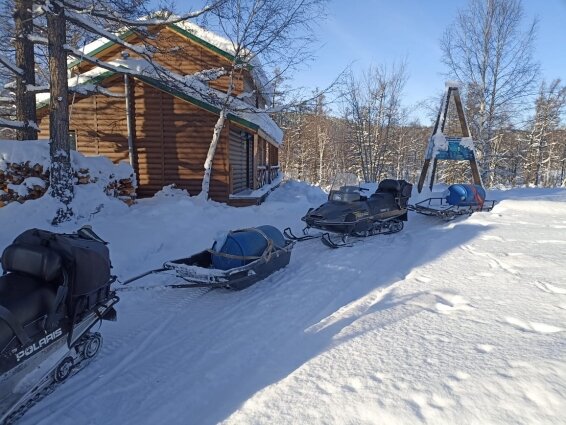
(542, 148)
(487, 49)
(277, 32)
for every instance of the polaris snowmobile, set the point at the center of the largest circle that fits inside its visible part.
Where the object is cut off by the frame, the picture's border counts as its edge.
(457, 200)
(242, 258)
(55, 288)
(350, 213)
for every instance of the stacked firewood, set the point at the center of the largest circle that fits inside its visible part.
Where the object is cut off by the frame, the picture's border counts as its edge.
(31, 181)
(22, 181)
(122, 189)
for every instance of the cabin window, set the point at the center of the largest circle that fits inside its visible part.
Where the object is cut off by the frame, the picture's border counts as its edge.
(73, 140)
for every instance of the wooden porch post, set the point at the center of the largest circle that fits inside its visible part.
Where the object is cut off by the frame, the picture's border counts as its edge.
(256, 162)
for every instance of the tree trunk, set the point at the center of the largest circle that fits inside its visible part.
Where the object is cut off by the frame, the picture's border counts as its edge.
(25, 100)
(61, 176)
(211, 151)
(215, 138)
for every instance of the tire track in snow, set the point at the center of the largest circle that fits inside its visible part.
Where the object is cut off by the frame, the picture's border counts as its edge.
(139, 338)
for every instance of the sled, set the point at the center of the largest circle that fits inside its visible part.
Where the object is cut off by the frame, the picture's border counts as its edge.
(439, 207)
(457, 200)
(200, 270)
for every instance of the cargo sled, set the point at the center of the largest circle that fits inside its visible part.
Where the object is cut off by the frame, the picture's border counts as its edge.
(241, 259)
(55, 288)
(457, 200)
(349, 212)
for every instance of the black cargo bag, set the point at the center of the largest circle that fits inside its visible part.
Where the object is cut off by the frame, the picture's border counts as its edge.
(86, 262)
(406, 190)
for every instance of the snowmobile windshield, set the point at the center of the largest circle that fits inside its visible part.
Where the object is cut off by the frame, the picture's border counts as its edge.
(345, 188)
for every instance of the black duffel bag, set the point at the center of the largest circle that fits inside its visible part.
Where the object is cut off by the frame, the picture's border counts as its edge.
(85, 261)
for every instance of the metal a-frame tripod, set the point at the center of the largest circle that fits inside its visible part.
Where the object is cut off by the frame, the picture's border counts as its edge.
(441, 147)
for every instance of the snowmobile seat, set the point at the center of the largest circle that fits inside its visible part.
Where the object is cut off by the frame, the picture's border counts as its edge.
(37, 261)
(390, 186)
(26, 299)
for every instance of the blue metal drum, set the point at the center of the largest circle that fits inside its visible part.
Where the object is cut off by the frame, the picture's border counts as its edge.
(465, 195)
(245, 243)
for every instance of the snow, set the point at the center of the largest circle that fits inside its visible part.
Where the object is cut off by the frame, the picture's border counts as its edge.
(7, 62)
(75, 82)
(257, 193)
(37, 152)
(101, 169)
(27, 185)
(442, 323)
(11, 123)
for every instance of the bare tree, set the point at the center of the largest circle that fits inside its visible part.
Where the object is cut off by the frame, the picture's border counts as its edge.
(486, 49)
(372, 108)
(279, 32)
(542, 145)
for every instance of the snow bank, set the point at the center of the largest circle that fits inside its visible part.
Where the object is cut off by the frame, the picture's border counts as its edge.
(24, 172)
(37, 152)
(442, 323)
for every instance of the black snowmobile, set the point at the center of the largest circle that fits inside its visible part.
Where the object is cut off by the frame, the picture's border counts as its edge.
(349, 213)
(55, 288)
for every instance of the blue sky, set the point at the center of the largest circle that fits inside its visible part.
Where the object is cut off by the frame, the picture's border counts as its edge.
(362, 32)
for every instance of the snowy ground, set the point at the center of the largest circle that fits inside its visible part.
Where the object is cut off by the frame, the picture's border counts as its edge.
(443, 323)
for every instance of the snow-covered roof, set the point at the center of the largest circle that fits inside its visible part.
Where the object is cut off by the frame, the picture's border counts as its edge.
(200, 34)
(189, 88)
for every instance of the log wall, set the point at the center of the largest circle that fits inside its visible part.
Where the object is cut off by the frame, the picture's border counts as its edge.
(171, 137)
(172, 141)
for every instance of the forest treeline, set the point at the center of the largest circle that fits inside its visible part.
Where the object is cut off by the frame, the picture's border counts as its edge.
(374, 139)
(515, 117)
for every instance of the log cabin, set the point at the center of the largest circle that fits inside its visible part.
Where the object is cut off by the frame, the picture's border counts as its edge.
(162, 125)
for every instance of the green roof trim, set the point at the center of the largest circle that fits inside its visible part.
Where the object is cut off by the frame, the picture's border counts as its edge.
(172, 27)
(94, 80)
(105, 46)
(207, 106)
(200, 41)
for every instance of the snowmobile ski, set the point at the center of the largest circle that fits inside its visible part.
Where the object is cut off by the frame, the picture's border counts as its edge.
(306, 236)
(348, 240)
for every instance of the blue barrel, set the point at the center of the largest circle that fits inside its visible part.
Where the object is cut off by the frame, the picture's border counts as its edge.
(245, 243)
(465, 195)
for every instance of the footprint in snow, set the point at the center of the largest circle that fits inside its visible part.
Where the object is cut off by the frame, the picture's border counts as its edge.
(551, 289)
(450, 303)
(536, 327)
(484, 348)
(423, 279)
(492, 238)
(460, 376)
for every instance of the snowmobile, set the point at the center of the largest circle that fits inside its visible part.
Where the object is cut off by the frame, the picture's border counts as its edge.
(240, 259)
(54, 289)
(457, 200)
(350, 213)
